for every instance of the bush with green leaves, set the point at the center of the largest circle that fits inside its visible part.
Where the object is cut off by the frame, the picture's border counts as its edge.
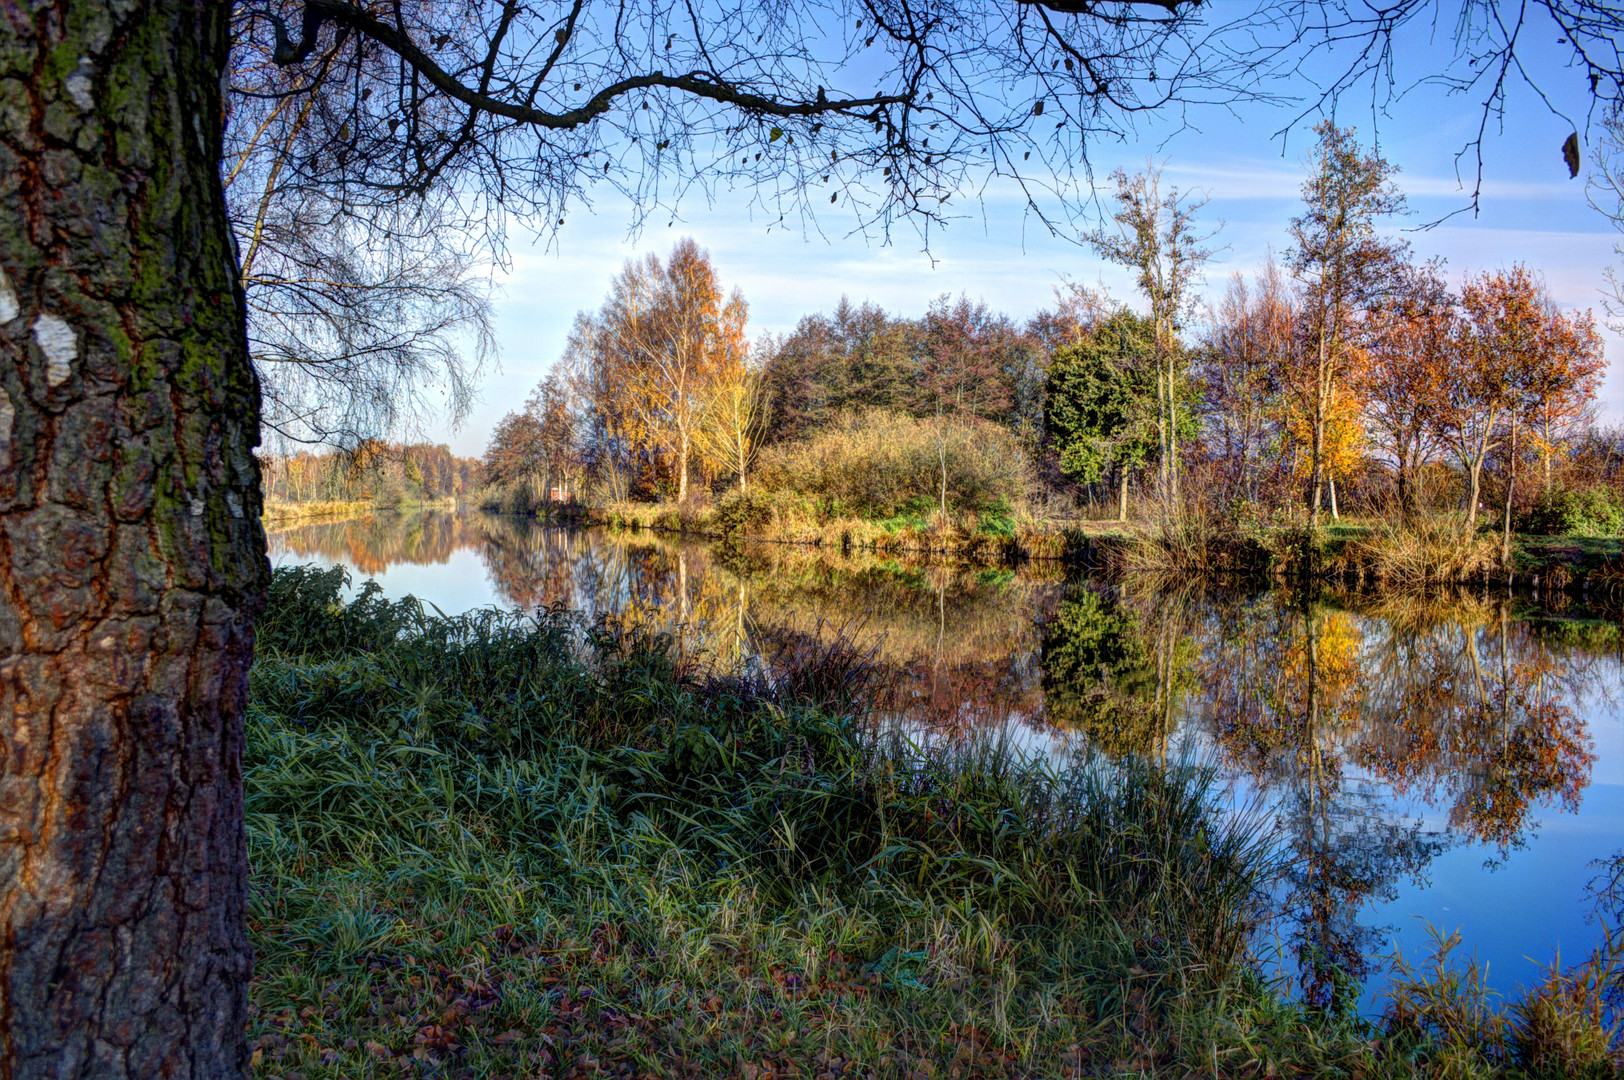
(1594, 511)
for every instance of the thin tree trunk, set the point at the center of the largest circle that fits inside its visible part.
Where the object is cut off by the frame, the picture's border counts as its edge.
(1318, 450)
(1545, 452)
(1122, 497)
(682, 470)
(1172, 427)
(1511, 487)
(134, 559)
(1331, 483)
(1471, 496)
(1476, 469)
(1406, 511)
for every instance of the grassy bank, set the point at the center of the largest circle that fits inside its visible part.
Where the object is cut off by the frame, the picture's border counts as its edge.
(281, 514)
(495, 846)
(1427, 552)
(1438, 550)
(789, 519)
(278, 514)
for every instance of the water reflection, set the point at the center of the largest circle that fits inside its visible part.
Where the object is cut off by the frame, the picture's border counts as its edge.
(1380, 732)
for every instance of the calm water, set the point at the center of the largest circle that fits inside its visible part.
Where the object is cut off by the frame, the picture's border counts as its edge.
(1453, 762)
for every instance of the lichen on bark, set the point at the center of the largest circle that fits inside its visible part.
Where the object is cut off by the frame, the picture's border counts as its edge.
(125, 618)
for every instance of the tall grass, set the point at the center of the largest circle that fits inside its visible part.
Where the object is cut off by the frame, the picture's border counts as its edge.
(1189, 536)
(1411, 551)
(637, 860)
(289, 513)
(880, 464)
(1566, 1025)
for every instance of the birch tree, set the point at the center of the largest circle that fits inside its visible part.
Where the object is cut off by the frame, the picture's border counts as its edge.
(1157, 238)
(675, 336)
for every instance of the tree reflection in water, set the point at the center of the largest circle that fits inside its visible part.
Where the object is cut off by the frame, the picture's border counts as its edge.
(1339, 710)
(1381, 731)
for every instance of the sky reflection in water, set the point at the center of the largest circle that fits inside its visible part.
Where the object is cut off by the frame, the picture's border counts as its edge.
(1458, 762)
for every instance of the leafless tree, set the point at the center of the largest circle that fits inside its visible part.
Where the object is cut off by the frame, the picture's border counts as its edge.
(365, 315)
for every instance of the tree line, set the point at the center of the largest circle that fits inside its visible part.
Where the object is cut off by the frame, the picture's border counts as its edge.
(386, 473)
(1344, 368)
(1347, 362)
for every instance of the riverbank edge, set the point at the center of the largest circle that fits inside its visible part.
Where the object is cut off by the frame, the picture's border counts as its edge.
(1345, 555)
(278, 515)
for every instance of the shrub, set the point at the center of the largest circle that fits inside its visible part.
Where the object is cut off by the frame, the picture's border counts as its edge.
(1431, 549)
(1575, 512)
(306, 613)
(738, 512)
(881, 464)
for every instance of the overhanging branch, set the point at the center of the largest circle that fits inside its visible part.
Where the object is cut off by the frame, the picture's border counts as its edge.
(697, 84)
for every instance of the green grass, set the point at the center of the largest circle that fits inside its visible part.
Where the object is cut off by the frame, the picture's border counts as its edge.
(500, 846)
(1579, 553)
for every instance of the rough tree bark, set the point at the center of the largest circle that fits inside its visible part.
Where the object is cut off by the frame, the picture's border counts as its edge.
(131, 555)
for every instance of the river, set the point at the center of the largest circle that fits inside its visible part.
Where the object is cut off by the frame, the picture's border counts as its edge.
(1450, 762)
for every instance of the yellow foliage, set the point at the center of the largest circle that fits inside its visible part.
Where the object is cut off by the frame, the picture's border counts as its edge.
(1345, 439)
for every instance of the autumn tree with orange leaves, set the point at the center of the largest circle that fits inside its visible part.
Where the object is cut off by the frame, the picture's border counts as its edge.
(536, 445)
(1515, 353)
(651, 360)
(1404, 381)
(730, 422)
(1564, 384)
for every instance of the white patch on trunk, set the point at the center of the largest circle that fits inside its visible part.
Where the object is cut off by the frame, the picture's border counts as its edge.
(59, 344)
(78, 85)
(8, 416)
(8, 300)
(198, 506)
(234, 504)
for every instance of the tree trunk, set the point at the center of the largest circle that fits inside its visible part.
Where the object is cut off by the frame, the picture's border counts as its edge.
(1161, 437)
(682, 470)
(1511, 488)
(1317, 463)
(1476, 469)
(1545, 453)
(132, 560)
(1405, 510)
(1122, 497)
(1331, 483)
(1172, 430)
(1471, 496)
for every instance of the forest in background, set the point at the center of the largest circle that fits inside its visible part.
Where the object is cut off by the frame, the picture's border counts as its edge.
(377, 474)
(1345, 377)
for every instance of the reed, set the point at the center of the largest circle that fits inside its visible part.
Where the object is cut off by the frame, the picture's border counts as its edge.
(1566, 1025)
(1425, 550)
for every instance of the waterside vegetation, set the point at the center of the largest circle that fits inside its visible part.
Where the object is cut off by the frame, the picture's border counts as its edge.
(502, 845)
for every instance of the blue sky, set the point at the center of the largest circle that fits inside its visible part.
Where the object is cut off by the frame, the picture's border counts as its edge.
(1530, 212)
